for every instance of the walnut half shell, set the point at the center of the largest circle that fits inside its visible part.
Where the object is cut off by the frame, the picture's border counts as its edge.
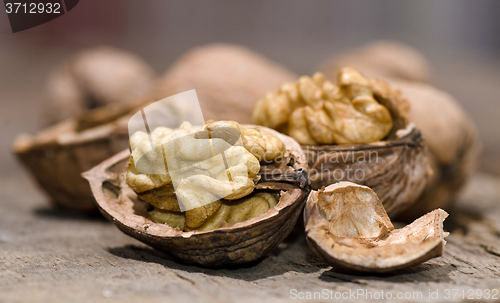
(57, 156)
(397, 169)
(347, 226)
(394, 163)
(239, 243)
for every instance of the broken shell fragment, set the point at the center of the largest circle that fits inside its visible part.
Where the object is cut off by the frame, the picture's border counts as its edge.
(229, 243)
(347, 226)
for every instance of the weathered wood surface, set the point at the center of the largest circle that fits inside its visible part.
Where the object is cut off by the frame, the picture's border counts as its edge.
(48, 255)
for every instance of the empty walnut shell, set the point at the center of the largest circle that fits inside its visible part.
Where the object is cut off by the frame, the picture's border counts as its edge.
(239, 243)
(58, 155)
(383, 59)
(452, 139)
(228, 79)
(347, 226)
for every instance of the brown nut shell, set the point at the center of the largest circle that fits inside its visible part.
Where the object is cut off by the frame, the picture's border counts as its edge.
(96, 77)
(397, 170)
(239, 243)
(57, 156)
(394, 163)
(452, 140)
(347, 226)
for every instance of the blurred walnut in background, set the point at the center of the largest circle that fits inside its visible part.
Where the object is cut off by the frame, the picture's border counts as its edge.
(93, 78)
(383, 59)
(452, 139)
(228, 79)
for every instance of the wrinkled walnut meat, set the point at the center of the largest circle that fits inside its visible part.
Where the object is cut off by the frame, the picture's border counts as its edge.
(314, 111)
(227, 213)
(347, 226)
(207, 178)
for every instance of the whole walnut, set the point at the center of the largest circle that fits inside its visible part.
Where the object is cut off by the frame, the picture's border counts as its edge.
(228, 79)
(452, 139)
(383, 59)
(95, 77)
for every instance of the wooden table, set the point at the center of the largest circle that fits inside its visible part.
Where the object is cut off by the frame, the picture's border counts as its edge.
(57, 256)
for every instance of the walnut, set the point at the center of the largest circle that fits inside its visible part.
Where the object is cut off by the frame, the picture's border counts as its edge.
(347, 226)
(96, 77)
(453, 141)
(314, 111)
(202, 183)
(238, 231)
(390, 158)
(174, 219)
(384, 59)
(228, 79)
(226, 213)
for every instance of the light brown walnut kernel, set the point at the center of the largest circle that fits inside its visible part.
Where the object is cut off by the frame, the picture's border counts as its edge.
(218, 214)
(262, 145)
(175, 219)
(315, 111)
(236, 211)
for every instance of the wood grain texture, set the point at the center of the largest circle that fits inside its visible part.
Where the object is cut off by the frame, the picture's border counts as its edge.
(47, 255)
